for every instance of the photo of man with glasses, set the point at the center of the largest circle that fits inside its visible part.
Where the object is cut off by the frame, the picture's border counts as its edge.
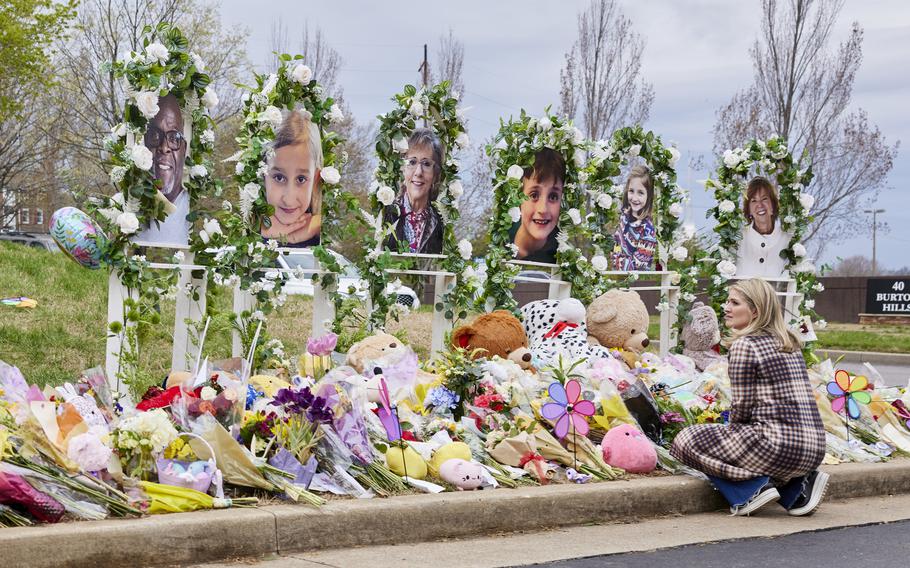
(167, 141)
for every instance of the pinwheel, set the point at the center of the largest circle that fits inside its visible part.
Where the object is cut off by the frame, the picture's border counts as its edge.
(848, 392)
(568, 409)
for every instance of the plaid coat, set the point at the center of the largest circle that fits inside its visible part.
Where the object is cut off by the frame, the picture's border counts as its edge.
(775, 428)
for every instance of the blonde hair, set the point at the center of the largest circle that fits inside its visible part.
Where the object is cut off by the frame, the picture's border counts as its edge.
(297, 129)
(769, 318)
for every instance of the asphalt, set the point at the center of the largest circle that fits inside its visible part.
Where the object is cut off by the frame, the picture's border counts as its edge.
(213, 536)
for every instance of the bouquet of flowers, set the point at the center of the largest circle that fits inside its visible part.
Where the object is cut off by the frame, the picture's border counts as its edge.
(137, 439)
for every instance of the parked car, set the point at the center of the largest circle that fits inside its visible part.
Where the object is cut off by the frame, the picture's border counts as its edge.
(29, 240)
(349, 282)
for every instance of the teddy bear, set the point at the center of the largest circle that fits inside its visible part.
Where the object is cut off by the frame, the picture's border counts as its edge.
(700, 334)
(619, 318)
(496, 333)
(382, 354)
(626, 447)
(557, 328)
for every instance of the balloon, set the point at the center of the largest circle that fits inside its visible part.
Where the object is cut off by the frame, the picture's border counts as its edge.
(77, 236)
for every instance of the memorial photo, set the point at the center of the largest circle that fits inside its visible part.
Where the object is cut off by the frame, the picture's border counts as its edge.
(534, 234)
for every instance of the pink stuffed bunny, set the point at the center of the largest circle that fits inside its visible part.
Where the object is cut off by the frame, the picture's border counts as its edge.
(626, 447)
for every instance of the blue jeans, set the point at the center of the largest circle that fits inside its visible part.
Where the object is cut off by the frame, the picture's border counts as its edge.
(738, 493)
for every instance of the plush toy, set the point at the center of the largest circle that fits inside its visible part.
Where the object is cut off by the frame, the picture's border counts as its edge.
(496, 333)
(462, 474)
(372, 348)
(557, 328)
(626, 447)
(619, 319)
(406, 461)
(700, 334)
(380, 353)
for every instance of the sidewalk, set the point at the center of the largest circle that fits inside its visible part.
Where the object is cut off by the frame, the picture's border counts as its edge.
(210, 536)
(874, 357)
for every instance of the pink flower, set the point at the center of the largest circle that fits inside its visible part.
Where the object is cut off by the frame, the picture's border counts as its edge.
(322, 346)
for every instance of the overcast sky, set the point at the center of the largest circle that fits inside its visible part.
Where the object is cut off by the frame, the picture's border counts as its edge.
(696, 57)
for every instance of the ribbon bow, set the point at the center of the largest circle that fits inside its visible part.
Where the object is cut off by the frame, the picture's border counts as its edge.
(536, 460)
(558, 328)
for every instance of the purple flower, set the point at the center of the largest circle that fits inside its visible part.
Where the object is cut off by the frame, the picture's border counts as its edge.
(322, 346)
(671, 418)
(441, 398)
(294, 401)
(319, 412)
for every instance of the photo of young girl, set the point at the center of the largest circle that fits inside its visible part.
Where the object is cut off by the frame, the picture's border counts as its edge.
(535, 233)
(636, 239)
(292, 183)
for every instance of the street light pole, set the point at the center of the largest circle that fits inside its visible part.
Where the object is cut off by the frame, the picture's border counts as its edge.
(875, 213)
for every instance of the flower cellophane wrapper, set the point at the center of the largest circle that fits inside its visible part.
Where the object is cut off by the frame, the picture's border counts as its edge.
(235, 463)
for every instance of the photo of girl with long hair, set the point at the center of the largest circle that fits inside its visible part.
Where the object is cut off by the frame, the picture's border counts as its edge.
(636, 238)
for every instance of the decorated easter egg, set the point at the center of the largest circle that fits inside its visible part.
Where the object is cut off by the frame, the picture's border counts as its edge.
(77, 236)
(406, 462)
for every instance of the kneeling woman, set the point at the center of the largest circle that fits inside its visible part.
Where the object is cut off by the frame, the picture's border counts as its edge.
(775, 439)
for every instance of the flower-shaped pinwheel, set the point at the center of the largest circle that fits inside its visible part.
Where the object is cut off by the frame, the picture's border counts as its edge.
(849, 391)
(568, 409)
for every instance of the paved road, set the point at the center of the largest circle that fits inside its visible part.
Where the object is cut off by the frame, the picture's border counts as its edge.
(894, 375)
(864, 546)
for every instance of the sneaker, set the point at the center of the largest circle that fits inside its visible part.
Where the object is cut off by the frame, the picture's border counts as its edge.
(765, 495)
(811, 497)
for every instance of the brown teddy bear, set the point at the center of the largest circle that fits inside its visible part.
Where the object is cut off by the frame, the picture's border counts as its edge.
(700, 334)
(619, 319)
(496, 333)
(385, 347)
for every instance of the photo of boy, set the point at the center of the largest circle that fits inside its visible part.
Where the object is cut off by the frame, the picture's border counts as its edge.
(542, 184)
(635, 238)
(292, 183)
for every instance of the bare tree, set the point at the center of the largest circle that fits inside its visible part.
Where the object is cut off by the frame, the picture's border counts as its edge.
(802, 91)
(601, 77)
(857, 265)
(449, 62)
(477, 201)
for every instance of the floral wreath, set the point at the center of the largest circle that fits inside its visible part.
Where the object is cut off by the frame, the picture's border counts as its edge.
(517, 143)
(163, 66)
(438, 106)
(242, 254)
(774, 158)
(607, 158)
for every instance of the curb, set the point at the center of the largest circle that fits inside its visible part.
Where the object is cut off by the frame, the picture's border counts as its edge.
(873, 357)
(208, 536)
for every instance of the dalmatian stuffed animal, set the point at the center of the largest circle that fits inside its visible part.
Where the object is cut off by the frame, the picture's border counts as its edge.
(557, 327)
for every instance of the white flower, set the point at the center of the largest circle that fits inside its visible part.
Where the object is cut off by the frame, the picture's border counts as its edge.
(634, 150)
(207, 393)
(680, 253)
(239, 167)
(732, 158)
(416, 108)
(198, 170)
(819, 287)
(663, 307)
(156, 52)
(462, 140)
(119, 130)
(515, 172)
(726, 268)
(257, 316)
(117, 174)
(178, 257)
(676, 209)
(799, 250)
(579, 157)
(465, 249)
(385, 195)
(577, 136)
(726, 206)
(688, 230)
(272, 115)
(575, 216)
(400, 144)
(210, 98)
(810, 304)
(675, 278)
(198, 63)
(141, 157)
(604, 201)
(789, 219)
(804, 265)
(335, 114)
(513, 248)
(600, 263)
(602, 151)
(821, 324)
(674, 156)
(269, 85)
(208, 136)
(515, 214)
(209, 229)
(147, 103)
(807, 201)
(302, 74)
(128, 223)
(545, 123)
(330, 175)
(456, 189)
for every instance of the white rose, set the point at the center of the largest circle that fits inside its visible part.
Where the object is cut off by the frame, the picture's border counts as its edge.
(156, 52)
(302, 74)
(128, 223)
(212, 227)
(688, 230)
(577, 136)
(147, 102)
(119, 130)
(465, 249)
(198, 63)
(198, 171)
(600, 263)
(462, 140)
(335, 114)
(680, 253)
(726, 206)
(635, 149)
(208, 136)
(210, 98)
(545, 123)
(575, 216)
(789, 219)
(515, 172)
(819, 287)
(604, 201)
(807, 201)
(579, 157)
(456, 189)
(675, 278)
(732, 158)
(416, 109)
(810, 304)
(117, 174)
(676, 209)
(726, 268)
(799, 250)
(141, 156)
(207, 393)
(804, 266)
(269, 85)
(330, 175)
(400, 144)
(272, 115)
(385, 195)
(515, 214)
(674, 156)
